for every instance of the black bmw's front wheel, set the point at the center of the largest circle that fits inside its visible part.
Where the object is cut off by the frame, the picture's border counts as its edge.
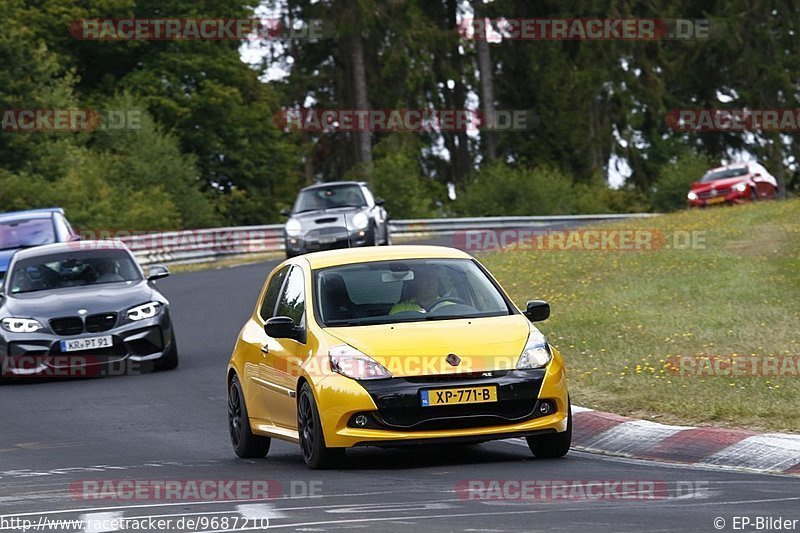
(312, 442)
(169, 361)
(245, 443)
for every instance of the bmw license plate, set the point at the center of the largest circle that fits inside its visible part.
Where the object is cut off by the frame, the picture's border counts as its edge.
(458, 396)
(88, 343)
(717, 200)
(327, 240)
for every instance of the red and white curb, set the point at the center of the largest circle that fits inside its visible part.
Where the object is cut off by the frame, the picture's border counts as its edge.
(607, 433)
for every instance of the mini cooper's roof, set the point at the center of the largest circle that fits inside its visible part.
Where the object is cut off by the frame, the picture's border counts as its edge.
(347, 256)
(329, 184)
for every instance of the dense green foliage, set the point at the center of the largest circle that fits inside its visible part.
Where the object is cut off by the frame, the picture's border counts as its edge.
(209, 151)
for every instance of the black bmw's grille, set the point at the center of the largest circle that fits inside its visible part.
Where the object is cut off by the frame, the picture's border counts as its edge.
(101, 322)
(70, 325)
(74, 325)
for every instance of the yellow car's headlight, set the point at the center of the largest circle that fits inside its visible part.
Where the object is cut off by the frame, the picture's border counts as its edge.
(349, 362)
(536, 353)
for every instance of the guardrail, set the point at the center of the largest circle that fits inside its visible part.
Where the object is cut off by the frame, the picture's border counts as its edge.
(201, 245)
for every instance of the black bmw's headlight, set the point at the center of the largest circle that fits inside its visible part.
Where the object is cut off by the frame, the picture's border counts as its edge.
(144, 311)
(21, 325)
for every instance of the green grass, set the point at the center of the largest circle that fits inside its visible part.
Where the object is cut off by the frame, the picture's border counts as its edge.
(619, 315)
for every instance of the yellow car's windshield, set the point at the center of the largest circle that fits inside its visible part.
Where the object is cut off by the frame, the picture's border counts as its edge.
(409, 290)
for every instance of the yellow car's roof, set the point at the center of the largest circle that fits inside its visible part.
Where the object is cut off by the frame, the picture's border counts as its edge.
(381, 253)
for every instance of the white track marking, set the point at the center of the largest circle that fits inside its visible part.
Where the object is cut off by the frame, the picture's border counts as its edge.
(95, 522)
(186, 504)
(259, 510)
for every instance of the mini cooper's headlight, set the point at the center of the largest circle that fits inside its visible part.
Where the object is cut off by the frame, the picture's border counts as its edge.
(349, 362)
(360, 220)
(21, 325)
(741, 186)
(141, 312)
(536, 353)
(293, 227)
(692, 195)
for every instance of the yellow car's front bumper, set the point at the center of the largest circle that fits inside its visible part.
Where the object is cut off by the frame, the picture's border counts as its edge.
(394, 414)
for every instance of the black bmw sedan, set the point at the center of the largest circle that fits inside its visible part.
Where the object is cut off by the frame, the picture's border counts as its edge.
(81, 309)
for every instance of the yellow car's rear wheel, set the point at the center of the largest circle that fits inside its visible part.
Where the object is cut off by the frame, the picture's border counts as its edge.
(312, 441)
(245, 443)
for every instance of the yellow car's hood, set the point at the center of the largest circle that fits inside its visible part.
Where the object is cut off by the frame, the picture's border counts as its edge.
(421, 348)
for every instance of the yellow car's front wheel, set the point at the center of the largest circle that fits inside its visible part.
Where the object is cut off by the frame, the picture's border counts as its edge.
(309, 429)
(552, 446)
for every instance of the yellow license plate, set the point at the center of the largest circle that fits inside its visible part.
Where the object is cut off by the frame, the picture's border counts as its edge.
(462, 395)
(717, 200)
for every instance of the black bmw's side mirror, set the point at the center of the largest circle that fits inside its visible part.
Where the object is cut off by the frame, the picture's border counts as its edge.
(379, 201)
(280, 327)
(537, 310)
(157, 272)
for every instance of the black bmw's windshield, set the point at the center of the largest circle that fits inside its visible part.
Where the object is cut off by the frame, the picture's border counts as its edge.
(329, 198)
(385, 292)
(72, 269)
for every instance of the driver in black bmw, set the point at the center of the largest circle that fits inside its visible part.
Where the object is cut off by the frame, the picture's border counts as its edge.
(82, 308)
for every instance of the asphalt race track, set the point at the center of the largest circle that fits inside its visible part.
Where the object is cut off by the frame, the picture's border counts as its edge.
(57, 436)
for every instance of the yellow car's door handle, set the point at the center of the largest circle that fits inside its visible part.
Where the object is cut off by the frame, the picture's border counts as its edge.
(264, 349)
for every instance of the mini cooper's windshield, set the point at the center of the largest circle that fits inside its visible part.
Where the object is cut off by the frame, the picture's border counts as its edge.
(57, 271)
(384, 292)
(320, 198)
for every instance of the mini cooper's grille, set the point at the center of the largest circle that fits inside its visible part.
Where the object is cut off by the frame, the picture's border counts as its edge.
(71, 325)
(100, 322)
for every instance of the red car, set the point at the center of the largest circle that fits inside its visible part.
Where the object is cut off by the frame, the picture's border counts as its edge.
(733, 184)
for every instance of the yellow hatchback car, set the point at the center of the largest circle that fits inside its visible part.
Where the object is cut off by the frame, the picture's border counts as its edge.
(389, 346)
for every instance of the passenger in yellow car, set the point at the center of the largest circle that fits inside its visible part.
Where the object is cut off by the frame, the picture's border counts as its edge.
(423, 290)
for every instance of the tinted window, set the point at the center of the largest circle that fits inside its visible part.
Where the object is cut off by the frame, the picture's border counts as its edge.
(73, 269)
(293, 302)
(24, 233)
(271, 296)
(329, 198)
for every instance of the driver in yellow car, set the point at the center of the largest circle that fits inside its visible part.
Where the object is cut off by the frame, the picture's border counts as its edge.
(423, 290)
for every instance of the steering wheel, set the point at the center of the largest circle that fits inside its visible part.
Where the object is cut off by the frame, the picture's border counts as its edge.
(443, 299)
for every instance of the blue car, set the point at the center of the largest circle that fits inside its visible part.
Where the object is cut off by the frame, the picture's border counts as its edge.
(25, 229)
